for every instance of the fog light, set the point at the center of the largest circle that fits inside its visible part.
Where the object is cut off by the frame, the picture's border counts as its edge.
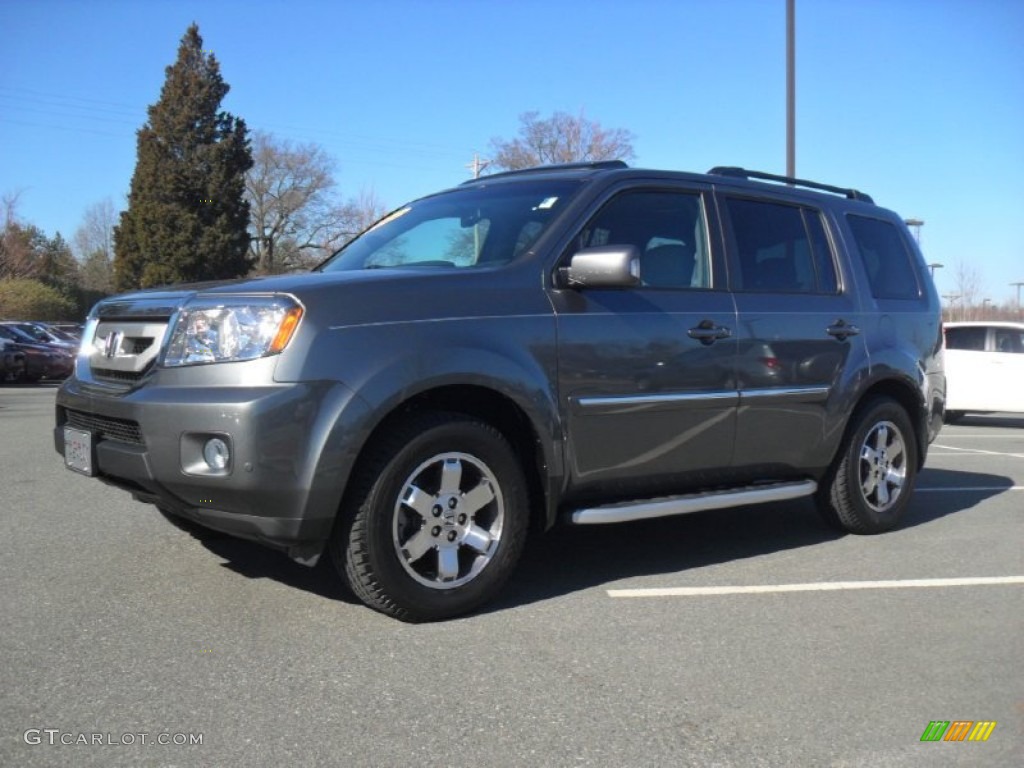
(216, 453)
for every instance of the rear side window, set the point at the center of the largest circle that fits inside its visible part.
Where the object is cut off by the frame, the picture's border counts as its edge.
(1009, 340)
(781, 248)
(968, 337)
(886, 258)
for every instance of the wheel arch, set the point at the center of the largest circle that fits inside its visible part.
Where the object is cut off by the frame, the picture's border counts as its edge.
(537, 455)
(909, 397)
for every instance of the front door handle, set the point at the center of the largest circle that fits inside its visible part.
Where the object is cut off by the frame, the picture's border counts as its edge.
(842, 330)
(708, 333)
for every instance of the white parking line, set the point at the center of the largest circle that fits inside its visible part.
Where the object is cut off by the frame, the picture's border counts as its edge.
(933, 453)
(962, 488)
(979, 451)
(821, 586)
(957, 436)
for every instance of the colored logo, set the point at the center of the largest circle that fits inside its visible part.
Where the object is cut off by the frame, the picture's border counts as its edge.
(958, 730)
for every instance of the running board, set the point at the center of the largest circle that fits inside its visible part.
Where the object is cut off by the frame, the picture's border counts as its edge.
(696, 502)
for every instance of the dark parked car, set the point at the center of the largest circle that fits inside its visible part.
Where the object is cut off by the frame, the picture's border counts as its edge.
(592, 343)
(42, 361)
(12, 361)
(44, 334)
(71, 331)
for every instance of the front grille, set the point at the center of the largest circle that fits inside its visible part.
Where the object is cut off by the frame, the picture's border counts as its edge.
(105, 427)
(138, 346)
(123, 350)
(112, 374)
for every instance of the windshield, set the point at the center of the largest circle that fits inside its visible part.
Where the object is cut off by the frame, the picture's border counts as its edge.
(16, 334)
(479, 225)
(35, 332)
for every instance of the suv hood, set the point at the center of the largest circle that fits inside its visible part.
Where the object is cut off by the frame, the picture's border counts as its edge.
(172, 297)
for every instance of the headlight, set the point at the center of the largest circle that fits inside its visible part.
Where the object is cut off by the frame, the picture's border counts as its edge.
(220, 330)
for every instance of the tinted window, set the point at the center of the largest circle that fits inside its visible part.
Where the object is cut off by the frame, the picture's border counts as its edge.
(668, 230)
(885, 257)
(1009, 340)
(781, 248)
(16, 334)
(967, 337)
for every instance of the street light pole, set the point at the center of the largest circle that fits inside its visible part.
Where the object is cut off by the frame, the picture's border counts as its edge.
(791, 88)
(915, 224)
(950, 298)
(1020, 313)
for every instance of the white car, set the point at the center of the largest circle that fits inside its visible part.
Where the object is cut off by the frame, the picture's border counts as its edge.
(984, 368)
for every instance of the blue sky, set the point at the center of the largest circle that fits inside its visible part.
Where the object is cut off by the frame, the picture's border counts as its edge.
(918, 102)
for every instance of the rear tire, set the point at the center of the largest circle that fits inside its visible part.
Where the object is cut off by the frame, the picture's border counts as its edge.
(869, 486)
(952, 417)
(13, 371)
(435, 520)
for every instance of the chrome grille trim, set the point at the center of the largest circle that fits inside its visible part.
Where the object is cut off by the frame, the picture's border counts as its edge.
(119, 351)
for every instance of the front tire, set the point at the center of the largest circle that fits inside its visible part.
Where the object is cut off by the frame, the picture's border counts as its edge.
(868, 488)
(436, 518)
(20, 375)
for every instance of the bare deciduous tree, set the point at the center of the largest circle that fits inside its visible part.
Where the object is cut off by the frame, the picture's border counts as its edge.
(562, 138)
(290, 205)
(9, 202)
(348, 220)
(20, 244)
(968, 285)
(12, 247)
(94, 246)
(359, 213)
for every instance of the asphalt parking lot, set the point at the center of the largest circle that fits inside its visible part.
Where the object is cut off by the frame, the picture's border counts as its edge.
(612, 646)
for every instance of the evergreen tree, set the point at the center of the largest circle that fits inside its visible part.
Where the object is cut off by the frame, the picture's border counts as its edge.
(187, 217)
(57, 265)
(98, 273)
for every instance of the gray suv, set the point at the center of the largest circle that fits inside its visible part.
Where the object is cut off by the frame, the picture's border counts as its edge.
(587, 343)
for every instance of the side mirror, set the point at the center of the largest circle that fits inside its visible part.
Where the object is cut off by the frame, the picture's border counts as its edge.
(606, 266)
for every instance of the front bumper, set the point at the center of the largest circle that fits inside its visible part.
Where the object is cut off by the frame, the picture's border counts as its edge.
(292, 448)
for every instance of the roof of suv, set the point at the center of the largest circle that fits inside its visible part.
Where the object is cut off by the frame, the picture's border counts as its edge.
(734, 174)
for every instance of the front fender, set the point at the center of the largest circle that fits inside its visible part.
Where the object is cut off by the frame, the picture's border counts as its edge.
(388, 364)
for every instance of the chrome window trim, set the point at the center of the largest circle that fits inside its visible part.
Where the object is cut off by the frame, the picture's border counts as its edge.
(681, 397)
(785, 392)
(690, 397)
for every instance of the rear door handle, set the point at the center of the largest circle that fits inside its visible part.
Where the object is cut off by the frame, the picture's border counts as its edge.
(842, 329)
(708, 333)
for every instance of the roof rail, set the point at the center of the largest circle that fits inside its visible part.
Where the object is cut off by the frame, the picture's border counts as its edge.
(594, 165)
(743, 173)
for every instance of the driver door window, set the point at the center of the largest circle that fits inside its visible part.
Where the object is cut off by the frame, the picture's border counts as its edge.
(667, 228)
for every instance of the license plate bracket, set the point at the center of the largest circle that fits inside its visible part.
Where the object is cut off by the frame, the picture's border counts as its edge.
(79, 451)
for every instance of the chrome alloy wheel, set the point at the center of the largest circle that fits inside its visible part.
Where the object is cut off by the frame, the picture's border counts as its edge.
(448, 520)
(883, 466)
